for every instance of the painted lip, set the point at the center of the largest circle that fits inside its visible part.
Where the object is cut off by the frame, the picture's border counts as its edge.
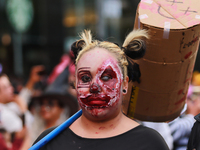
(97, 100)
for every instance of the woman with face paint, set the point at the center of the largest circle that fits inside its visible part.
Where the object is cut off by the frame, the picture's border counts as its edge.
(103, 70)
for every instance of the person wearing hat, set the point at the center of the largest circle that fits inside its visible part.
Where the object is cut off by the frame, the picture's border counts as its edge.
(181, 126)
(52, 107)
(194, 139)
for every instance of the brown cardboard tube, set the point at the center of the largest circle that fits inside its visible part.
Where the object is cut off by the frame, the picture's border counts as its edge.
(167, 67)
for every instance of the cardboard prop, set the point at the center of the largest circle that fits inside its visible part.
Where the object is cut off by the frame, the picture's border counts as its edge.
(167, 67)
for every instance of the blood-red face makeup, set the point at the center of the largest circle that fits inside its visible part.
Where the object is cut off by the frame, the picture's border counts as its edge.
(99, 87)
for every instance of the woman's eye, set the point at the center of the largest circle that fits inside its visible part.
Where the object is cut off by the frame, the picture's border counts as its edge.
(85, 78)
(106, 78)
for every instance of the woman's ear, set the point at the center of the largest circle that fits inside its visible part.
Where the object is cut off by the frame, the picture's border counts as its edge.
(125, 85)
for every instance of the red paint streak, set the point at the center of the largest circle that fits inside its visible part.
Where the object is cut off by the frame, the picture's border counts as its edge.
(188, 55)
(111, 125)
(181, 100)
(180, 91)
(96, 132)
(196, 39)
(188, 79)
(101, 128)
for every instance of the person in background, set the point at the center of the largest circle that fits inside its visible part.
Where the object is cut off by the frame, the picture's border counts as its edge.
(10, 122)
(19, 103)
(194, 139)
(45, 112)
(53, 106)
(27, 92)
(36, 75)
(162, 128)
(181, 127)
(193, 143)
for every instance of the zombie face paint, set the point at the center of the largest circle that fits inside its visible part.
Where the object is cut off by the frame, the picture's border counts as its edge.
(99, 80)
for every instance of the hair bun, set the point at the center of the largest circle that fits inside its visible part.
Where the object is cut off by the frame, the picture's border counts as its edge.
(77, 46)
(135, 49)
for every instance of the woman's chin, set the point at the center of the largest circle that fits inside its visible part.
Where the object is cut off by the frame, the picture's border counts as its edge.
(95, 111)
(99, 113)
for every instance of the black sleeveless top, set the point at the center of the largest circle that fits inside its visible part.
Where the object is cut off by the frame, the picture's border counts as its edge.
(138, 138)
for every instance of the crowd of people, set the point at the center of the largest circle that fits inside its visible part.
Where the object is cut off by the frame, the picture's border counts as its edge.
(26, 114)
(27, 110)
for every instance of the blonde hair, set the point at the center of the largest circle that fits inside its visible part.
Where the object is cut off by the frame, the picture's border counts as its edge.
(86, 44)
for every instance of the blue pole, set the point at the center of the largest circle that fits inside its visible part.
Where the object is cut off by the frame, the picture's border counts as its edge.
(56, 131)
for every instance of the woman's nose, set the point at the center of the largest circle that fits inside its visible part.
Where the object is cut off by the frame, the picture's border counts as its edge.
(94, 88)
